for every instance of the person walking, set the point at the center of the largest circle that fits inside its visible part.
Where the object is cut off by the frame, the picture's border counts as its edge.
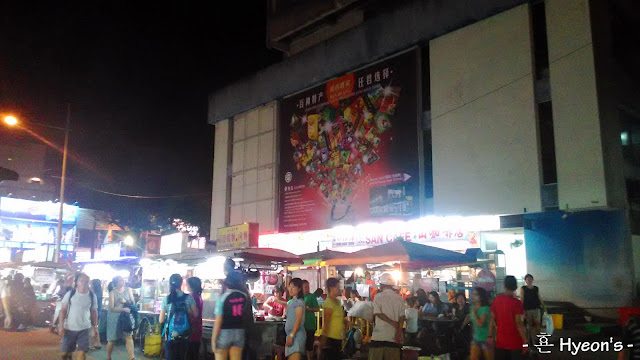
(310, 323)
(17, 309)
(480, 318)
(229, 332)
(96, 287)
(388, 312)
(331, 338)
(294, 325)
(194, 284)
(119, 295)
(177, 309)
(29, 298)
(78, 318)
(532, 303)
(506, 323)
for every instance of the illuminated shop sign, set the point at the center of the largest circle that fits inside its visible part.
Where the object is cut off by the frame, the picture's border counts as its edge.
(37, 210)
(452, 233)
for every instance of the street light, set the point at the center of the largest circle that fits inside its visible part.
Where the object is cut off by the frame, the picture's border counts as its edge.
(128, 240)
(13, 121)
(10, 120)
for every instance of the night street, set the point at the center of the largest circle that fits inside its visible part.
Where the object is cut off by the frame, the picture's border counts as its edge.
(41, 344)
(324, 180)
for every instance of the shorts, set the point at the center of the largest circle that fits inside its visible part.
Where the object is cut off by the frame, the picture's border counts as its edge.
(229, 338)
(385, 353)
(311, 338)
(532, 315)
(332, 349)
(71, 339)
(298, 344)
(481, 344)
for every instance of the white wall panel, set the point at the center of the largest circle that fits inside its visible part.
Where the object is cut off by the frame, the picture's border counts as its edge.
(249, 212)
(220, 159)
(220, 185)
(267, 118)
(218, 210)
(253, 124)
(238, 128)
(251, 153)
(265, 189)
(249, 193)
(235, 216)
(265, 148)
(484, 132)
(238, 157)
(265, 173)
(576, 119)
(237, 187)
(475, 60)
(265, 211)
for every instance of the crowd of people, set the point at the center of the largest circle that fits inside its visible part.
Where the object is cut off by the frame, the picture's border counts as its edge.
(488, 329)
(18, 302)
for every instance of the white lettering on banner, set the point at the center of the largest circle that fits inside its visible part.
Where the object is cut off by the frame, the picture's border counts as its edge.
(422, 237)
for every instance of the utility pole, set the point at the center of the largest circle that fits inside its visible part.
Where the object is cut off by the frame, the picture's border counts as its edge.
(56, 253)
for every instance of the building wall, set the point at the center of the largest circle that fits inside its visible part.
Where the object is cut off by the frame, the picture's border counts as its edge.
(580, 163)
(485, 148)
(580, 257)
(244, 187)
(221, 185)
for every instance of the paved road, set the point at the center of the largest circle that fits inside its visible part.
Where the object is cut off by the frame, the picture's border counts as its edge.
(40, 344)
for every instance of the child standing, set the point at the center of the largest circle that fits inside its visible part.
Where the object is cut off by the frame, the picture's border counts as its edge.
(411, 332)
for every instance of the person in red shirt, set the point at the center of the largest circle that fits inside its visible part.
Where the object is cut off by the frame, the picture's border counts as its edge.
(275, 304)
(506, 323)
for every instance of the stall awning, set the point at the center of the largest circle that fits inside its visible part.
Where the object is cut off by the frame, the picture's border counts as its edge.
(264, 256)
(413, 255)
(318, 256)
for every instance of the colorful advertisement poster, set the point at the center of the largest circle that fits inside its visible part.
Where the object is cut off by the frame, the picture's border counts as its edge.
(349, 149)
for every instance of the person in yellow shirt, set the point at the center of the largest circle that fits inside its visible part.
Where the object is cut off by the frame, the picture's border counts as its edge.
(334, 322)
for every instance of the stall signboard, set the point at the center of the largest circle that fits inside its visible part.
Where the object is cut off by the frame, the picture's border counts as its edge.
(110, 251)
(236, 237)
(173, 244)
(44, 275)
(486, 279)
(349, 149)
(36, 210)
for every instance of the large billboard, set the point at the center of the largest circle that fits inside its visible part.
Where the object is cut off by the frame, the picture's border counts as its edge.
(349, 149)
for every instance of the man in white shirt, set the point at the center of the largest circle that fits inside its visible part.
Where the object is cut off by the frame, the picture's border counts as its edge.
(78, 316)
(388, 311)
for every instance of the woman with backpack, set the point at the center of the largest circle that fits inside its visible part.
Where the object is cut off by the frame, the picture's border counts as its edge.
(175, 313)
(118, 297)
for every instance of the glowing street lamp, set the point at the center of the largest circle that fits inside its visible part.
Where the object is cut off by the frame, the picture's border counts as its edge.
(128, 240)
(10, 120)
(13, 121)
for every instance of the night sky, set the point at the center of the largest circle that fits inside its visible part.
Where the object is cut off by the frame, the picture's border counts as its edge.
(137, 76)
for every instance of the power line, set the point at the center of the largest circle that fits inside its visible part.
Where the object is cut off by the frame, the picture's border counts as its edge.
(143, 196)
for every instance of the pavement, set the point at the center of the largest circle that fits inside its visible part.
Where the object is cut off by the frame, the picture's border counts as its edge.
(40, 344)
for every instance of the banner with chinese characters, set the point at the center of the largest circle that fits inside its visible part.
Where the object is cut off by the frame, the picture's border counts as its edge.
(237, 237)
(349, 149)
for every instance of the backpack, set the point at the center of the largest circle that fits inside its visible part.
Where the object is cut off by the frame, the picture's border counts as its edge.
(178, 326)
(73, 292)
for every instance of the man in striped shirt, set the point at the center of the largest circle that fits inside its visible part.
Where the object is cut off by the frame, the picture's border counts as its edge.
(631, 336)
